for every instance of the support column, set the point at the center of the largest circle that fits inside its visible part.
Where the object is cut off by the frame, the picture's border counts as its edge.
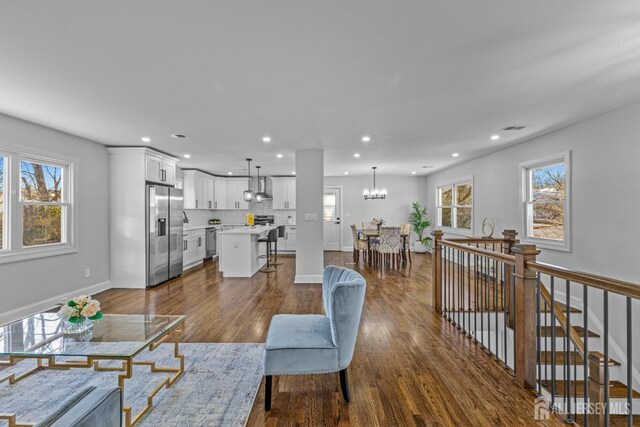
(309, 194)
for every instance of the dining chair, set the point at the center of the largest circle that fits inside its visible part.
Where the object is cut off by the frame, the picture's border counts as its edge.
(368, 225)
(405, 231)
(388, 250)
(358, 244)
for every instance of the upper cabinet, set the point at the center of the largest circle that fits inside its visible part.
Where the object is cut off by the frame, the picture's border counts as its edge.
(284, 193)
(203, 191)
(219, 193)
(160, 168)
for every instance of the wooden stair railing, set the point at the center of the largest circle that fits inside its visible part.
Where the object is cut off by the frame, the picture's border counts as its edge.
(461, 265)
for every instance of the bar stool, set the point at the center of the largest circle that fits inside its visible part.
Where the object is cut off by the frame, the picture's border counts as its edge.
(280, 234)
(272, 237)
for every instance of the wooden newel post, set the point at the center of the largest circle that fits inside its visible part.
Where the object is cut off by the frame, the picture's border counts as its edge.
(437, 273)
(596, 390)
(510, 241)
(525, 316)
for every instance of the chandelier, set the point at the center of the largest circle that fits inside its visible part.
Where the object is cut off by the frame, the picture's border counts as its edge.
(376, 193)
(248, 194)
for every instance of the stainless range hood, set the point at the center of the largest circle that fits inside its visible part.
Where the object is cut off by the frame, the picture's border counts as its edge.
(262, 189)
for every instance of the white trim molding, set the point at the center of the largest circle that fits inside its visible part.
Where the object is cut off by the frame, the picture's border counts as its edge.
(564, 158)
(49, 303)
(308, 278)
(453, 183)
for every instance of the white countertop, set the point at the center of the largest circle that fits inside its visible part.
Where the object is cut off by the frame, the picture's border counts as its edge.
(259, 229)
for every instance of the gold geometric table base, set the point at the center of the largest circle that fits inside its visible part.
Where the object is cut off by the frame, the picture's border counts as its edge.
(126, 370)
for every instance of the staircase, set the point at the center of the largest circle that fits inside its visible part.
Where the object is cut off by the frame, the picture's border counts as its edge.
(562, 367)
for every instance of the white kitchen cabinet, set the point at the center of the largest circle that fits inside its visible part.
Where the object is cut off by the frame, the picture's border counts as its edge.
(290, 237)
(193, 248)
(198, 190)
(209, 192)
(220, 194)
(235, 196)
(160, 169)
(284, 193)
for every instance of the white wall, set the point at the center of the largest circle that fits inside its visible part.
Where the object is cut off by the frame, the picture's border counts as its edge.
(403, 191)
(605, 201)
(24, 284)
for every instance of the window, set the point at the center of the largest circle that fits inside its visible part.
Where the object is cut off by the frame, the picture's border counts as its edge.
(455, 205)
(36, 209)
(545, 207)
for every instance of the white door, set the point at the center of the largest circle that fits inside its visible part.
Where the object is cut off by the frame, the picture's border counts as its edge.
(331, 219)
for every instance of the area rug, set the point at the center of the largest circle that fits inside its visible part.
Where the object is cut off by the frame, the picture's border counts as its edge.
(217, 388)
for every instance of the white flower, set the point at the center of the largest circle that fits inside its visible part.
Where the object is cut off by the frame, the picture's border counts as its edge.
(66, 312)
(90, 309)
(82, 299)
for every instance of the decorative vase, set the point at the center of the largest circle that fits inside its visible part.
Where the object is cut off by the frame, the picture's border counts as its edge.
(79, 326)
(419, 247)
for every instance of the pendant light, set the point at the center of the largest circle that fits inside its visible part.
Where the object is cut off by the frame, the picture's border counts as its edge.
(375, 193)
(260, 196)
(248, 194)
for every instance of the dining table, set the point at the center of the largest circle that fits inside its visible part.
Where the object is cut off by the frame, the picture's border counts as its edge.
(372, 233)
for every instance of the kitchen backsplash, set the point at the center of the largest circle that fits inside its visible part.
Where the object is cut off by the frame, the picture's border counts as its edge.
(200, 216)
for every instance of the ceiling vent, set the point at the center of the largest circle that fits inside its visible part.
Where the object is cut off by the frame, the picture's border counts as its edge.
(179, 136)
(517, 127)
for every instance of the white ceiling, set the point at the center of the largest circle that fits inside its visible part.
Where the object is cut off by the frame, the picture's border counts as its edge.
(423, 78)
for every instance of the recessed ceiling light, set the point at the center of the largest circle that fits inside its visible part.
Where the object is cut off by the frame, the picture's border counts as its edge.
(279, 155)
(346, 173)
(229, 173)
(366, 138)
(187, 156)
(455, 154)
(266, 138)
(356, 155)
(293, 173)
(495, 137)
(413, 172)
(145, 139)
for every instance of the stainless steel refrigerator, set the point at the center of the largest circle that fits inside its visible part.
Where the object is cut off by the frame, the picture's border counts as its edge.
(164, 233)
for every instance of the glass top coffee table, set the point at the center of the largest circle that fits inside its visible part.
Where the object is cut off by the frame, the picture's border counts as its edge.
(119, 337)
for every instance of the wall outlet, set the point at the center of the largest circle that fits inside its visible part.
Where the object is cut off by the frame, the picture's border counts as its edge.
(87, 272)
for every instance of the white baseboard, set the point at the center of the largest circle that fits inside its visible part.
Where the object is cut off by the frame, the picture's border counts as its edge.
(308, 278)
(347, 249)
(49, 303)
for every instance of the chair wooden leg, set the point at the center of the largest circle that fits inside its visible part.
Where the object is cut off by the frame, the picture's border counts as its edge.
(409, 252)
(344, 385)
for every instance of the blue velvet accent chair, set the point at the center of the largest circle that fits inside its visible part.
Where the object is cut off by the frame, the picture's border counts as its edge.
(315, 343)
(90, 407)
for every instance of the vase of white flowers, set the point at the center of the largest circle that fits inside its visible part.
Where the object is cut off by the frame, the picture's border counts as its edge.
(78, 314)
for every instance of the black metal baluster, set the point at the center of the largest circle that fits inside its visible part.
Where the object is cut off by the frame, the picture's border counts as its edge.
(504, 315)
(475, 298)
(481, 303)
(553, 342)
(585, 325)
(459, 282)
(606, 357)
(629, 364)
(487, 279)
(575, 378)
(469, 293)
(539, 330)
(495, 303)
(567, 354)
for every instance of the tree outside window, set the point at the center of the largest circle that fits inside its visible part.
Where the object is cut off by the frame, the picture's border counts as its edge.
(42, 200)
(455, 205)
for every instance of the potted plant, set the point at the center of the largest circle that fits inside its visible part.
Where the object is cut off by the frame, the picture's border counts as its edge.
(418, 219)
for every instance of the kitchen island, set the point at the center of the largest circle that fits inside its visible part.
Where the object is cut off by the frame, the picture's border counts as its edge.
(240, 250)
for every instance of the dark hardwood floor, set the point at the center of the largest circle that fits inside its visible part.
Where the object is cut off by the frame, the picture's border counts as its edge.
(410, 368)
